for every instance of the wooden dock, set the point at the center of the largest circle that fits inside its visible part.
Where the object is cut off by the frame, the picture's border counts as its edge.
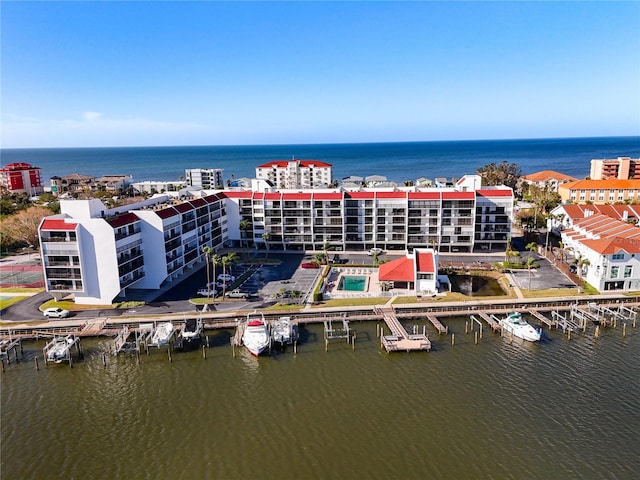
(400, 339)
(436, 323)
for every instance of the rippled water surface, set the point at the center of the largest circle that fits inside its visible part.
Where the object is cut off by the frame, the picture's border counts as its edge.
(497, 410)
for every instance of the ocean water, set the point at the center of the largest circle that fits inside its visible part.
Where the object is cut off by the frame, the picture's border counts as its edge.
(501, 409)
(396, 161)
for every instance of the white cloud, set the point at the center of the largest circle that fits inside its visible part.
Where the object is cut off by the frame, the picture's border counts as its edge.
(90, 116)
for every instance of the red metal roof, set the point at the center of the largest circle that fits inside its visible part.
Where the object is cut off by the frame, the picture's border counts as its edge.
(424, 195)
(167, 212)
(495, 193)
(458, 195)
(58, 224)
(296, 196)
(360, 195)
(198, 202)
(303, 163)
(184, 207)
(425, 262)
(272, 196)
(327, 196)
(238, 194)
(400, 270)
(124, 219)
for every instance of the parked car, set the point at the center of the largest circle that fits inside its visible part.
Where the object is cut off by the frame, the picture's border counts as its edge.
(56, 312)
(309, 265)
(212, 292)
(225, 277)
(374, 251)
(237, 294)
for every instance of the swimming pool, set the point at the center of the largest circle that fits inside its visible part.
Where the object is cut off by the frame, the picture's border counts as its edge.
(353, 283)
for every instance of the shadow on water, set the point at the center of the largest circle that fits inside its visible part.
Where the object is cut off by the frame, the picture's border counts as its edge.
(476, 285)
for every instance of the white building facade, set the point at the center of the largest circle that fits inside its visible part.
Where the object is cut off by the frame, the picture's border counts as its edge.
(96, 254)
(204, 178)
(291, 174)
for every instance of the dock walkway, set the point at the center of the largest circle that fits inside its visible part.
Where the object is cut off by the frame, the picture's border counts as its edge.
(400, 339)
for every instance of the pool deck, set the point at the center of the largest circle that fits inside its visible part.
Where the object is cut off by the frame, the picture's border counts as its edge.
(372, 289)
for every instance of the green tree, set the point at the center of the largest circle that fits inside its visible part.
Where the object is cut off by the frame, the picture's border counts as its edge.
(503, 173)
(581, 263)
(529, 264)
(532, 247)
(208, 251)
(266, 236)
(244, 226)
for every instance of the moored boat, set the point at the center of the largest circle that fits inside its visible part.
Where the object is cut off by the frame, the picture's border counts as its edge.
(256, 336)
(162, 334)
(58, 349)
(515, 324)
(284, 330)
(192, 329)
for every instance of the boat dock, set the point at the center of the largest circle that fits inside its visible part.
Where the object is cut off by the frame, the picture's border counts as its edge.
(59, 349)
(400, 339)
(436, 323)
(7, 346)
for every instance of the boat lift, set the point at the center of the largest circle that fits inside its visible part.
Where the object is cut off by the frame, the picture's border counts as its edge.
(62, 346)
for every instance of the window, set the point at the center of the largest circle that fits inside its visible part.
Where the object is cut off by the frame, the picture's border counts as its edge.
(628, 271)
(617, 256)
(614, 272)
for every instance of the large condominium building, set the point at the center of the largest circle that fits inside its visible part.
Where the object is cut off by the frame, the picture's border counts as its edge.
(96, 254)
(290, 174)
(600, 191)
(621, 168)
(204, 178)
(21, 178)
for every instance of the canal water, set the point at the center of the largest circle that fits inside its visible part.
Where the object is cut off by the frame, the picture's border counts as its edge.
(562, 409)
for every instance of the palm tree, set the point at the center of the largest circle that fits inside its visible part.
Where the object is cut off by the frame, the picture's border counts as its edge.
(226, 261)
(529, 264)
(244, 226)
(208, 251)
(581, 263)
(215, 261)
(266, 236)
(325, 247)
(319, 258)
(532, 247)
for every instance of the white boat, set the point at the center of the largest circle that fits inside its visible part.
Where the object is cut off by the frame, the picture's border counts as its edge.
(284, 331)
(192, 329)
(518, 326)
(256, 337)
(162, 334)
(58, 349)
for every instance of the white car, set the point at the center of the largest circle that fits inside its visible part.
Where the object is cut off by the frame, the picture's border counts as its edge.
(237, 294)
(204, 292)
(56, 312)
(374, 251)
(225, 277)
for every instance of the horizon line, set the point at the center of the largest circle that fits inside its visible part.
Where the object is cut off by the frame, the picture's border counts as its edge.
(325, 143)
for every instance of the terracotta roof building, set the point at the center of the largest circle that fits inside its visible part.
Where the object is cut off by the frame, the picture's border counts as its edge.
(600, 191)
(548, 178)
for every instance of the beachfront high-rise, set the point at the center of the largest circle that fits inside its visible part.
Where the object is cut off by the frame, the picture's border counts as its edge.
(287, 174)
(96, 253)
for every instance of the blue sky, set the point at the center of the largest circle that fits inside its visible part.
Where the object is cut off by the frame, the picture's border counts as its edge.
(234, 73)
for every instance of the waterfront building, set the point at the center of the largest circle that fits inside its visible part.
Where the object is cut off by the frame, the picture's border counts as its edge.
(600, 191)
(547, 179)
(417, 271)
(566, 214)
(291, 174)
(204, 178)
(152, 186)
(96, 253)
(621, 168)
(607, 252)
(21, 178)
